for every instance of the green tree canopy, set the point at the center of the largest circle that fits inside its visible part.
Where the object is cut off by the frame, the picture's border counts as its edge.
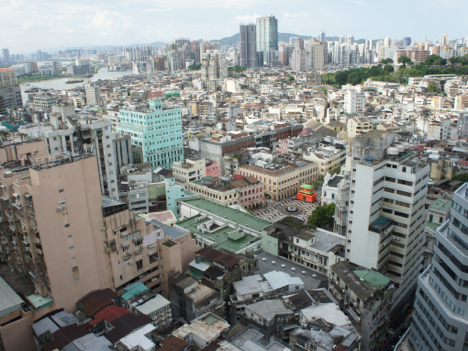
(461, 177)
(386, 61)
(389, 68)
(404, 59)
(435, 60)
(237, 69)
(432, 88)
(322, 215)
(194, 67)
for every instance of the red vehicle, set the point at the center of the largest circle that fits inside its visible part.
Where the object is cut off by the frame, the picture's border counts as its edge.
(306, 193)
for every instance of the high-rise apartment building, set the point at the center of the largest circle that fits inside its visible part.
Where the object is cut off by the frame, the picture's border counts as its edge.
(6, 56)
(315, 55)
(322, 36)
(354, 99)
(65, 132)
(406, 41)
(157, 129)
(440, 316)
(298, 62)
(69, 240)
(93, 94)
(196, 52)
(10, 91)
(248, 45)
(444, 41)
(214, 66)
(386, 217)
(267, 33)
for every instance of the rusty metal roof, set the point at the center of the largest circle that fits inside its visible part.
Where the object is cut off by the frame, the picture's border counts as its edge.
(214, 255)
(95, 301)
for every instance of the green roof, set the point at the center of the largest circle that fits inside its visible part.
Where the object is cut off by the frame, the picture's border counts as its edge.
(307, 186)
(373, 278)
(231, 242)
(432, 225)
(40, 302)
(236, 236)
(133, 290)
(441, 204)
(230, 214)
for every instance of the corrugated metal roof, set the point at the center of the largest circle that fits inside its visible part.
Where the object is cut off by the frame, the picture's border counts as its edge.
(133, 290)
(152, 305)
(218, 257)
(9, 300)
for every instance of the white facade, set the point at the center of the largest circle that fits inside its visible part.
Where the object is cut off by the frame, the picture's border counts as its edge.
(354, 99)
(387, 213)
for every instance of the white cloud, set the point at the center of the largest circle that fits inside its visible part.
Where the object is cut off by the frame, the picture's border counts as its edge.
(28, 24)
(357, 2)
(247, 18)
(296, 15)
(158, 10)
(108, 19)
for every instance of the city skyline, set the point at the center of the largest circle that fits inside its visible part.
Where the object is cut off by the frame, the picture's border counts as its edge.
(28, 27)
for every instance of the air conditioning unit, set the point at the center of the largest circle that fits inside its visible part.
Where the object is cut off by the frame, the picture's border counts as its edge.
(41, 274)
(34, 228)
(135, 240)
(103, 229)
(130, 263)
(62, 202)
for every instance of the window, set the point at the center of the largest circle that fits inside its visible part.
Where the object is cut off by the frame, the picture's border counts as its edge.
(67, 225)
(70, 248)
(65, 214)
(69, 236)
(60, 190)
(72, 258)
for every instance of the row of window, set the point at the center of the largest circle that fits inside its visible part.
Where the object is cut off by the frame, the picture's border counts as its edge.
(456, 294)
(456, 309)
(446, 340)
(449, 327)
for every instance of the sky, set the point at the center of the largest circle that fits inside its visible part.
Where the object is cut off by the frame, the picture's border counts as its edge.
(30, 25)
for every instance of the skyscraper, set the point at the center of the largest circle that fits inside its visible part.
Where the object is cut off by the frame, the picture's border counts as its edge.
(406, 41)
(444, 41)
(386, 216)
(160, 136)
(439, 319)
(6, 56)
(248, 45)
(214, 66)
(39, 55)
(298, 56)
(323, 36)
(267, 33)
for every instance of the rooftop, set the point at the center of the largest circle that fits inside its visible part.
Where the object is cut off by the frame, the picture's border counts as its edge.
(373, 278)
(134, 290)
(208, 327)
(268, 309)
(329, 312)
(229, 213)
(151, 305)
(441, 204)
(9, 300)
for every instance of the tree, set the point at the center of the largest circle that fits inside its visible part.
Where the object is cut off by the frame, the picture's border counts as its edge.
(237, 69)
(461, 177)
(404, 59)
(435, 60)
(195, 67)
(386, 61)
(389, 68)
(432, 88)
(322, 215)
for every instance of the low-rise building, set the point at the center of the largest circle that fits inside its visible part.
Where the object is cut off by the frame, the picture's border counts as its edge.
(305, 245)
(202, 331)
(192, 170)
(366, 297)
(221, 227)
(283, 179)
(358, 125)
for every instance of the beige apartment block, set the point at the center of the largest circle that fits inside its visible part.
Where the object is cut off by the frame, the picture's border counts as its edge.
(143, 253)
(192, 170)
(23, 151)
(60, 232)
(285, 180)
(359, 125)
(217, 192)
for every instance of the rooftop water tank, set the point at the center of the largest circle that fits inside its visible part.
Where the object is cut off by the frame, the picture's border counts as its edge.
(392, 151)
(369, 161)
(401, 147)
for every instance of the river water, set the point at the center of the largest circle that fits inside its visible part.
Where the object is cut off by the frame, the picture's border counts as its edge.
(60, 84)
